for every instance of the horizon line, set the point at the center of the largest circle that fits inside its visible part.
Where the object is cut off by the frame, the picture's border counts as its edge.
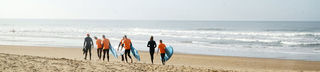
(154, 20)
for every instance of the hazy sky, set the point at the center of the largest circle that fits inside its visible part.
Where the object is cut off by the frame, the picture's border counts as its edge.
(306, 10)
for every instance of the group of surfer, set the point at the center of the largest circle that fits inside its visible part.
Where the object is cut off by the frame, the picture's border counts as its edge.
(103, 46)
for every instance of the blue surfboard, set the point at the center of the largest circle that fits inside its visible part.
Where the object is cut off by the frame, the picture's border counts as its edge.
(113, 51)
(135, 53)
(168, 54)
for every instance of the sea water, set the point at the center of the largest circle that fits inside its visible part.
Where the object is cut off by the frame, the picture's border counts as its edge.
(298, 40)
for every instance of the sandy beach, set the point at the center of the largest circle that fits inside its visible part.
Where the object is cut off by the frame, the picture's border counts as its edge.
(42, 59)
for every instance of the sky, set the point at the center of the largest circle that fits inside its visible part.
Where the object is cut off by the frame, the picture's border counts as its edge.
(260, 10)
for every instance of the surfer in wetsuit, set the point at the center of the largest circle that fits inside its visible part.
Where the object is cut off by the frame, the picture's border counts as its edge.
(106, 46)
(99, 47)
(127, 47)
(152, 45)
(162, 47)
(121, 44)
(87, 45)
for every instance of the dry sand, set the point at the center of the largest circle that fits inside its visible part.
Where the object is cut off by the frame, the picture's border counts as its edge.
(43, 59)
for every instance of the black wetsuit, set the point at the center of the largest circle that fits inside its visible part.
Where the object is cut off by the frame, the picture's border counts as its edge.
(162, 58)
(104, 54)
(152, 45)
(88, 43)
(127, 53)
(99, 51)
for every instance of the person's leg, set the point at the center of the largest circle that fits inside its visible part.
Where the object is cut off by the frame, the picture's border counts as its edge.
(85, 54)
(104, 54)
(126, 54)
(151, 54)
(162, 58)
(122, 58)
(100, 52)
(129, 55)
(90, 53)
(108, 54)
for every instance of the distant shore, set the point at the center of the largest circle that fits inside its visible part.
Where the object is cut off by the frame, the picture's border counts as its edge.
(18, 58)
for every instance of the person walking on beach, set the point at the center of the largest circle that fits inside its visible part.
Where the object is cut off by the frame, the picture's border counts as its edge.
(99, 47)
(127, 47)
(121, 44)
(106, 46)
(87, 45)
(152, 45)
(162, 47)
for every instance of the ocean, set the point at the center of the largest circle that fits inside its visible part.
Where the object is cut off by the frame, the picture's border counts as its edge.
(297, 40)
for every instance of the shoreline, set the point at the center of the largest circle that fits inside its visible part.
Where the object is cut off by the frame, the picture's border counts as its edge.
(174, 53)
(179, 59)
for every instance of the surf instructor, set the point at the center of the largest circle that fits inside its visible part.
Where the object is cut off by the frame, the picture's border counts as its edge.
(127, 47)
(152, 45)
(99, 47)
(87, 45)
(106, 45)
(162, 47)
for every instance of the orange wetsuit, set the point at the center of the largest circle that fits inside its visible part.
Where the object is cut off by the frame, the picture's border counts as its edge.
(106, 43)
(162, 48)
(98, 42)
(127, 43)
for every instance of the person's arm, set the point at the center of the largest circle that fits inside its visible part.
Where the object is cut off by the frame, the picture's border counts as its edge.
(148, 45)
(84, 43)
(119, 45)
(92, 45)
(155, 45)
(122, 44)
(109, 45)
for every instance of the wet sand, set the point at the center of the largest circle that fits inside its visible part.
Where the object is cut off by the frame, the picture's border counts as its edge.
(34, 58)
